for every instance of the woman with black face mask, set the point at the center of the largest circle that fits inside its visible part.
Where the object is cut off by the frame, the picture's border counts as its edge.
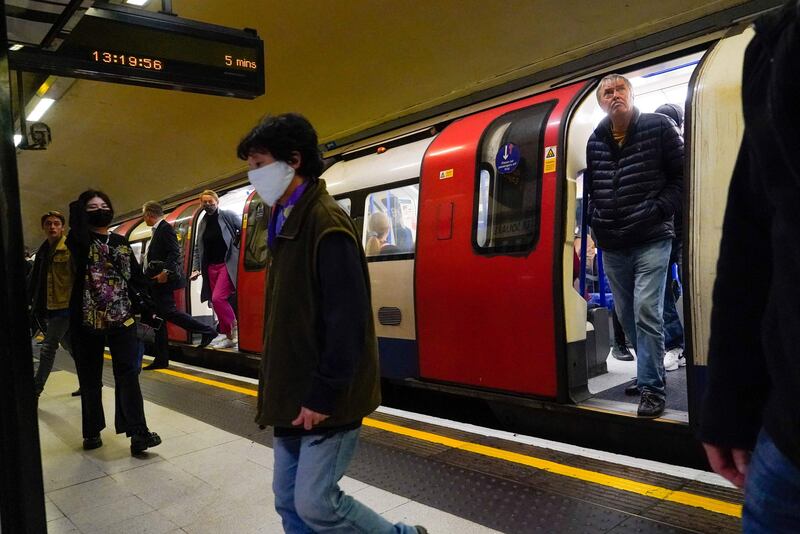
(108, 282)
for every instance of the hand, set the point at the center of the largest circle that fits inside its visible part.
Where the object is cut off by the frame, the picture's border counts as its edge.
(194, 275)
(161, 277)
(729, 463)
(309, 418)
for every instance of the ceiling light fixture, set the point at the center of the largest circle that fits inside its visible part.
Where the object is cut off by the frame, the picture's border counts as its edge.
(40, 109)
(139, 3)
(15, 47)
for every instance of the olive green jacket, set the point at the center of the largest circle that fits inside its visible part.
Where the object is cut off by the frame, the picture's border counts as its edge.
(293, 344)
(50, 283)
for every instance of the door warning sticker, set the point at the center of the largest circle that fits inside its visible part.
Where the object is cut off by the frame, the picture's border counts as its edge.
(443, 175)
(550, 158)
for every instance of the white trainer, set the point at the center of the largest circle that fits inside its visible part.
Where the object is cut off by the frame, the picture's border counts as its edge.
(225, 344)
(671, 359)
(218, 339)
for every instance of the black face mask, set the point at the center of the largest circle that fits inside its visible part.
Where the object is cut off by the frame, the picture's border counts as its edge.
(99, 218)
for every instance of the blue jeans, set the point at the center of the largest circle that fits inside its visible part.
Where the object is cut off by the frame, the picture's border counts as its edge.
(306, 486)
(673, 329)
(772, 491)
(637, 276)
(57, 332)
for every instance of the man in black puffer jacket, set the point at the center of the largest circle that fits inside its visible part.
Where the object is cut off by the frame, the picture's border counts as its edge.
(635, 179)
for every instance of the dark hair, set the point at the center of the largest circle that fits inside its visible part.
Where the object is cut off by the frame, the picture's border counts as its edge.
(89, 194)
(673, 111)
(280, 136)
(54, 213)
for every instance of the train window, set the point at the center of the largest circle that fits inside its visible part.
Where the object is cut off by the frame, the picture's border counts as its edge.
(345, 204)
(390, 229)
(509, 182)
(255, 251)
(137, 251)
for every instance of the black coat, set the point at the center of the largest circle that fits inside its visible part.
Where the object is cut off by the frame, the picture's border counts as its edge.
(753, 363)
(37, 282)
(636, 189)
(164, 251)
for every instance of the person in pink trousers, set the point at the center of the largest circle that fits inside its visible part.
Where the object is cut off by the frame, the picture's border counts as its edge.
(216, 258)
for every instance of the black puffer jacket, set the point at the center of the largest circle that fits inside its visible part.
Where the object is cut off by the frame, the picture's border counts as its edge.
(635, 189)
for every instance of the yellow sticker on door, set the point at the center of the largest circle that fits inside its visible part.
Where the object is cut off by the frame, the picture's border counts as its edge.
(443, 175)
(550, 158)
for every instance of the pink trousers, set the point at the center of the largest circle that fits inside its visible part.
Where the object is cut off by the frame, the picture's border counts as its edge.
(221, 288)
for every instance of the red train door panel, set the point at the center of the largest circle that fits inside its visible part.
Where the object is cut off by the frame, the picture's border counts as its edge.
(252, 276)
(182, 218)
(125, 228)
(484, 279)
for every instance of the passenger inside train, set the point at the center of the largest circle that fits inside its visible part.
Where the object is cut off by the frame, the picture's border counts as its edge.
(378, 241)
(660, 88)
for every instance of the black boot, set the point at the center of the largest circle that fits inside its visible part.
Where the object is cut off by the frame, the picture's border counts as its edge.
(142, 442)
(92, 443)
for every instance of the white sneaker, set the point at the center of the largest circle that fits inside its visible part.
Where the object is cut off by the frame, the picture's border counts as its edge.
(681, 360)
(218, 339)
(671, 359)
(225, 344)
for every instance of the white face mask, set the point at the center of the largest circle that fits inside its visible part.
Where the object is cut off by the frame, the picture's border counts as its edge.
(271, 180)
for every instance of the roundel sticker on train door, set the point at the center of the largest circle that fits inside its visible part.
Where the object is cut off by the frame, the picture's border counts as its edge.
(507, 158)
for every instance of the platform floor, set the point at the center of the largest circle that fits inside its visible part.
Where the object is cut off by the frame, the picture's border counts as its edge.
(213, 472)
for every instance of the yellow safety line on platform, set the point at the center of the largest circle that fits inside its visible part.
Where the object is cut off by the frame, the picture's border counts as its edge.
(206, 381)
(619, 483)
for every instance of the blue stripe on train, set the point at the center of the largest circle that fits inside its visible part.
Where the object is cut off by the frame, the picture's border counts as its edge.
(398, 358)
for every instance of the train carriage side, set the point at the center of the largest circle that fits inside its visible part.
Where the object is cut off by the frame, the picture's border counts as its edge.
(380, 191)
(252, 276)
(182, 218)
(489, 251)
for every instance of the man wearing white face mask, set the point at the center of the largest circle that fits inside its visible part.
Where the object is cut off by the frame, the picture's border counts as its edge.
(319, 373)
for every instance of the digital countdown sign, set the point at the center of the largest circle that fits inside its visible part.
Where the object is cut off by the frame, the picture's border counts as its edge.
(124, 45)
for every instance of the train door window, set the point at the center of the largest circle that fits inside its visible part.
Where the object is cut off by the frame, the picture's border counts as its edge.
(255, 251)
(509, 182)
(183, 224)
(483, 206)
(345, 204)
(391, 222)
(139, 238)
(137, 251)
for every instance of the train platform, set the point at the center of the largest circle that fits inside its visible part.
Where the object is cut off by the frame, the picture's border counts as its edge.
(212, 473)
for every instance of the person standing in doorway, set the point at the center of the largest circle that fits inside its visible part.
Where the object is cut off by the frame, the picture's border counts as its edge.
(164, 253)
(216, 257)
(50, 289)
(319, 373)
(635, 179)
(673, 329)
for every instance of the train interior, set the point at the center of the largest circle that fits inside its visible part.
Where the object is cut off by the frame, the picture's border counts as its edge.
(655, 85)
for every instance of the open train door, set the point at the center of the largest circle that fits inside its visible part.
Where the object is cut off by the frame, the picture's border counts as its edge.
(489, 261)
(252, 276)
(715, 106)
(181, 219)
